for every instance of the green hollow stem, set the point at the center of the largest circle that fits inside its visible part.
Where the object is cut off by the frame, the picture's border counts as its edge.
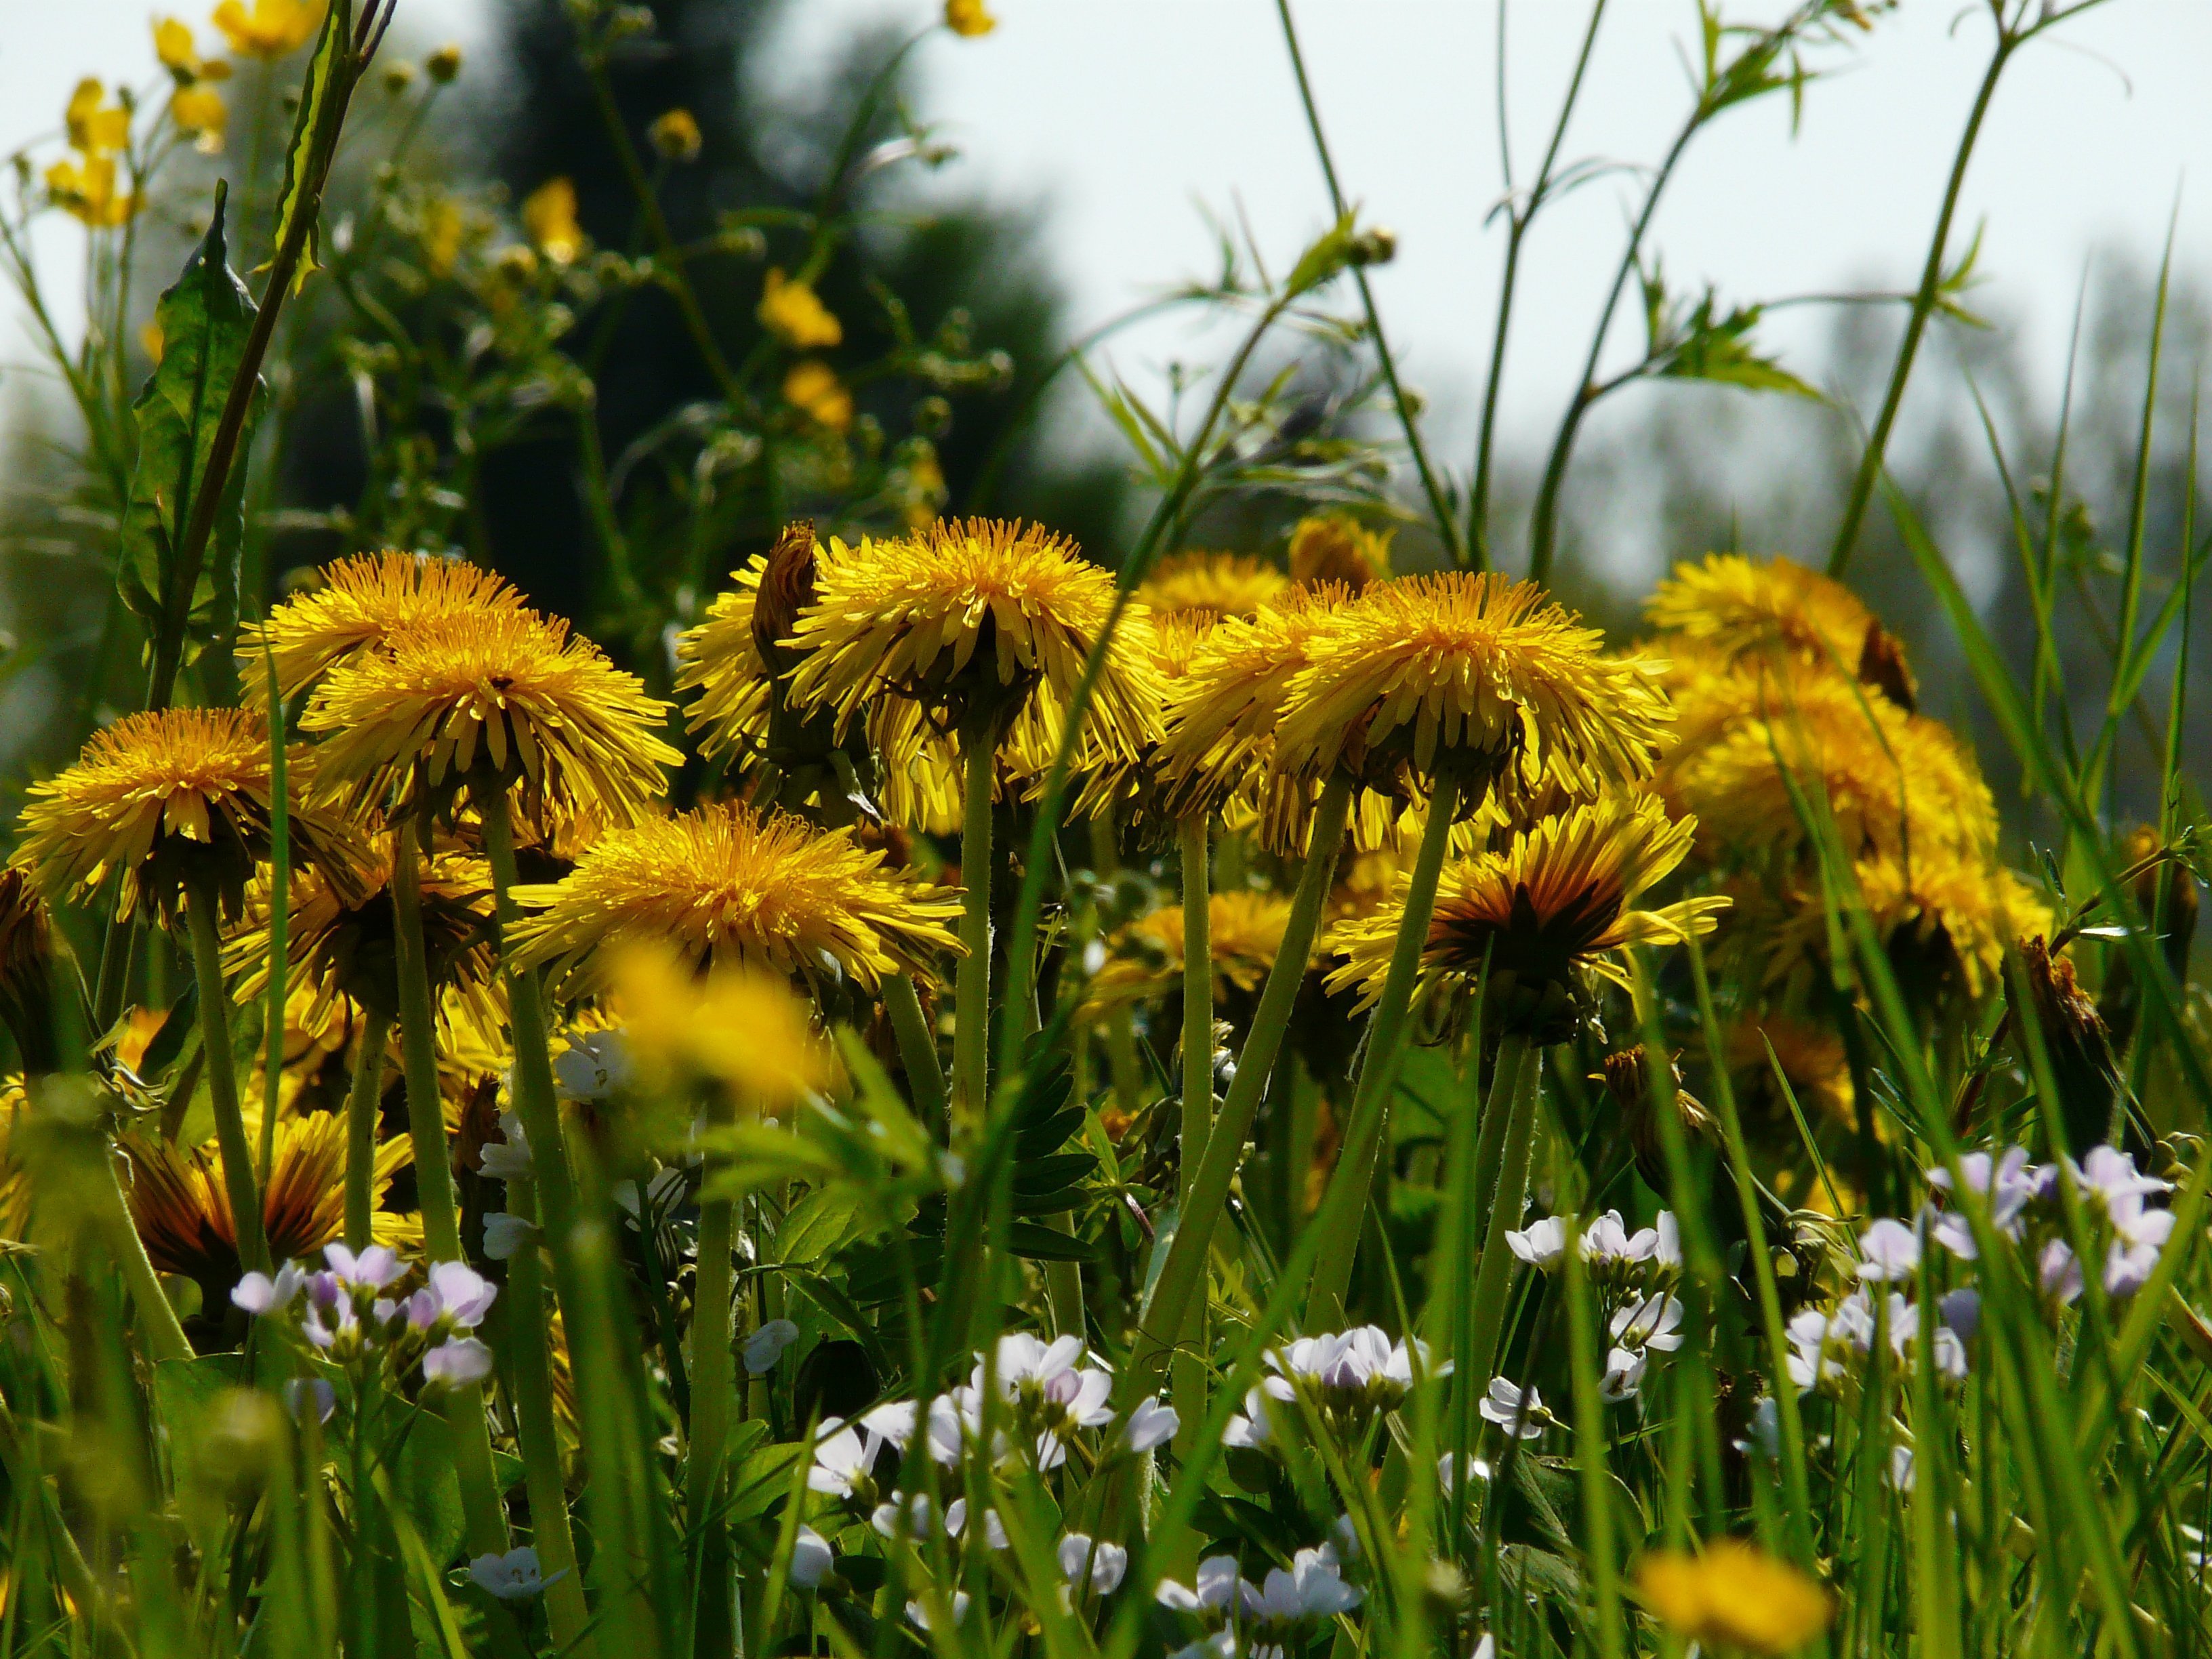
(536, 1433)
(1518, 1071)
(485, 1517)
(161, 1330)
(362, 1099)
(1183, 1274)
(238, 1181)
(1343, 1206)
(971, 988)
(1186, 1372)
(917, 1047)
(714, 1371)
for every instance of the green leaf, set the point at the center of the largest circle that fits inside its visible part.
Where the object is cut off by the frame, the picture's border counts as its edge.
(204, 321)
(315, 96)
(1042, 1244)
(818, 1224)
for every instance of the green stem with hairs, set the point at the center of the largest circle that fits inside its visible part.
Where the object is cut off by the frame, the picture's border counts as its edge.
(536, 1433)
(159, 1327)
(1516, 1071)
(362, 1099)
(1182, 1275)
(971, 992)
(1344, 1203)
(246, 1220)
(714, 1372)
(1188, 1371)
(917, 1047)
(485, 1516)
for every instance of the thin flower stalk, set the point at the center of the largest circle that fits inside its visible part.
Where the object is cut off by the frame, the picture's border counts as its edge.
(1344, 1205)
(200, 909)
(537, 1436)
(364, 1097)
(917, 1047)
(713, 1378)
(1188, 1371)
(971, 986)
(1518, 1071)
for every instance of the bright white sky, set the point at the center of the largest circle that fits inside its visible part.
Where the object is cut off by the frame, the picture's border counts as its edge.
(1121, 117)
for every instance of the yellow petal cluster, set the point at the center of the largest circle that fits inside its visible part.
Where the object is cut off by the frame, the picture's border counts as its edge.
(1210, 585)
(360, 603)
(272, 28)
(1735, 1598)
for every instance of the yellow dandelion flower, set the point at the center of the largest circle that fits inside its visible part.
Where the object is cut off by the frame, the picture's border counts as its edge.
(812, 388)
(1733, 1597)
(492, 699)
(1743, 606)
(549, 219)
(1143, 960)
(742, 1028)
(359, 604)
(171, 799)
(792, 311)
(273, 28)
(1552, 907)
(1476, 676)
(724, 887)
(969, 18)
(675, 135)
(1211, 585)
(177, 1198)
(978, 620)
(1336, 548)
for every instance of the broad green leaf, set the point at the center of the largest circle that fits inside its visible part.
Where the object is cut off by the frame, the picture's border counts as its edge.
(818, 1224)
(315, 96)
(204, 321)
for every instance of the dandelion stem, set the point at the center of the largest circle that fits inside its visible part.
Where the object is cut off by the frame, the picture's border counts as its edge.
(238, 1181)
(1188, 1369)
(917, 1047)
(529, 1381)
(163, 1335)
(1344, 1205)
(363, 1100)
(1517, 1071)
(971, 992)
(713, 1372)
(1182, 1275)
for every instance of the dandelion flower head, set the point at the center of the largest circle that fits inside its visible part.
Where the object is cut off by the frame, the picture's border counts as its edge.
(1211, 585)
(1733, 1597)
(359, 605)
(1743, 606)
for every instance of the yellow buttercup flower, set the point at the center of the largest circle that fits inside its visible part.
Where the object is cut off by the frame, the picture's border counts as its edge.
(1733, 1597)
(969, 18)
(1335, 547)
(723, 887)
(675, 135)
(172, 799)
(96, 126)
(1546, 909)
(812, 387)
(742, 1028)
(549, 219)
(1143, 960)
(178, 1201)
(87, 191)
(973, 619)
(1479, 675)
(360, 603)
(1211, 585)
(273, 28)
(493, 698)
(1741, 606)
(200, 111)
(793, 312)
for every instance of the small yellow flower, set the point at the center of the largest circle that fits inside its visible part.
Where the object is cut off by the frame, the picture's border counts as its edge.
(968, 18)
(1733, 1597)
(443, 66)
(1143, 960)
(180, 54)
(1335, 547)
(492, 698)
(359, 604)
(812, 387)
(86, 190)
(1743, 606)
(549, 219)
(675, 135)
(273, 28)
(723, 887)
(1212, 583)
(96, 126)
(199, 110)
(743, 1029)
(1553, 905)
(792, 311)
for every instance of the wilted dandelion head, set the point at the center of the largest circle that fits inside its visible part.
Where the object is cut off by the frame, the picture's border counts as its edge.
(1210, 585)
(1477, 676)
(1733, 1597)
(723, 887)
(1741, 606)
(1335, 547)
(360, 604)
(1549, 907)
(173, 798)
(492, 700)
(977, 619)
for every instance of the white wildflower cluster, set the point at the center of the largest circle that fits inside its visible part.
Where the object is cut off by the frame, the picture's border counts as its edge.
(1827, 1345)
(1633, 1275)
(2026, 1204)
(345, 1318)
(1266, 1621)
(1349, 1376)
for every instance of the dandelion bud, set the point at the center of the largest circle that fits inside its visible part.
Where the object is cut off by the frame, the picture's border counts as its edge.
(443, 66)
(1882, 665)
(1377, 245)
(1627, 1078)
(26, 957)
(786, 589)
(398, 76)
(675, 137)
(2078, 1043)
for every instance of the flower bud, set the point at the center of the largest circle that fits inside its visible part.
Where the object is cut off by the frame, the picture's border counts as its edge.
(786, 589)
(675, 135)
(443, 66)
(1882, 665)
